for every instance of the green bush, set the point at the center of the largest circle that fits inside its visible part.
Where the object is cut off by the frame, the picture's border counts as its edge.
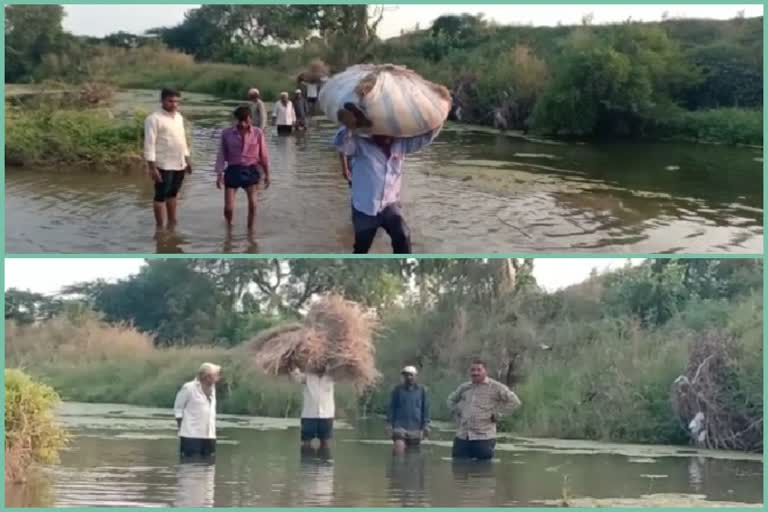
(44, 135)
(31, 432)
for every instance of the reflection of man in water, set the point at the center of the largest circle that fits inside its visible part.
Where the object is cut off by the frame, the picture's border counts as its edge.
(408, 414)
(407, 481)
(196, 484)
(316, 479)
(195, 411)
(478, 406)
(318, 408)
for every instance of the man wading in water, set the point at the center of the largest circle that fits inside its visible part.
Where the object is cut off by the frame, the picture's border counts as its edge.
(167, 155)
(241, 160)
(375, 166)
(477, 406)
(195, 411)
(258, 110)
(408, 415)
(283, 115)
(318, 409)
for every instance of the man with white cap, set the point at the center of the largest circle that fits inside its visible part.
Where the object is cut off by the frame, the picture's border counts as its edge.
(408, 415)
(258, 110)
(195, 411)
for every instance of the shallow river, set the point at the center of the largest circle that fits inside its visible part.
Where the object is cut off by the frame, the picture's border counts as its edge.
(126, 456)
(472, 191)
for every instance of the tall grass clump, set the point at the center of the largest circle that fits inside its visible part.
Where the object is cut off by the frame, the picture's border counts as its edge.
(88, 360)
(31, 433)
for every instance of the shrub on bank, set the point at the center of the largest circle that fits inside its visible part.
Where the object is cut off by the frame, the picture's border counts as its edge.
(46, 135)
(724, 125)
(31, 432)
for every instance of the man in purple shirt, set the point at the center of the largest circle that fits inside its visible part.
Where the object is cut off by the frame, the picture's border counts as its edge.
(374, 165)
(241, 160)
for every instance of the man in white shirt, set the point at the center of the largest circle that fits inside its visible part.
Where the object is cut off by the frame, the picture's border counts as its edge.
(195, 412)
(167, 154)
(283, 115)
(318, 408)
(258, 110)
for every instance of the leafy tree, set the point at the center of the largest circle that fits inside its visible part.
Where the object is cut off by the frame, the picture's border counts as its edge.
(27, 307)
(31, 31)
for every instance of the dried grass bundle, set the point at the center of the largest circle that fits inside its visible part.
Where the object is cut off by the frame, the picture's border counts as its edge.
(336, 337)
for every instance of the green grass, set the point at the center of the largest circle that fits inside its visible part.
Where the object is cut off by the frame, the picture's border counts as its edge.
(51, 135)
(724, 125)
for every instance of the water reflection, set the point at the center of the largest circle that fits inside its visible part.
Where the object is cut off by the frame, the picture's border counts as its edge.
(315, 478)
(195, 484)
(407, 480)
(475, 481)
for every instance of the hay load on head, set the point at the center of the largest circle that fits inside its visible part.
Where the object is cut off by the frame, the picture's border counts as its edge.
(336, 337)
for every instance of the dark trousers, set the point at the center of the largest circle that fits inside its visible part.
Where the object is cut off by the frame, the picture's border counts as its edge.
(481, 449)
(391, 219)
(192, 448)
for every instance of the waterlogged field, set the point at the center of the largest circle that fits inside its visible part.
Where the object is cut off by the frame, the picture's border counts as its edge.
(473, 190)
(126, 456)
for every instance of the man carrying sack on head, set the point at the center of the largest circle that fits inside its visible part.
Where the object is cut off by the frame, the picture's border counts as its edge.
(374, 165)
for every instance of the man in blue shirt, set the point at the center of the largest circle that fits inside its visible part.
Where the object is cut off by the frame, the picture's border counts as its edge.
(375, 167)
(408, 414)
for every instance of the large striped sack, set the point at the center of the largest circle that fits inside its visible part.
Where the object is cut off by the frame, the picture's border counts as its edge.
(397, 101)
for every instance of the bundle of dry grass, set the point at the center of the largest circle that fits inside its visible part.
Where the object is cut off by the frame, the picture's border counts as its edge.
(315, 72)
(336, 337)
(708, 402)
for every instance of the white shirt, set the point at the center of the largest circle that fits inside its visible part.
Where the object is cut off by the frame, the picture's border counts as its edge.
(318, 395)
(165, 141)
(284, 114)
(312, 90)
(196, 410)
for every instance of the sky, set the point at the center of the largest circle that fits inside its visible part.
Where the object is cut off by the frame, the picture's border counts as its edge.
(49, 275)
(100, 20)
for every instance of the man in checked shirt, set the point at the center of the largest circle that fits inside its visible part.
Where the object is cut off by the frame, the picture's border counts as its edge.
(477, 406)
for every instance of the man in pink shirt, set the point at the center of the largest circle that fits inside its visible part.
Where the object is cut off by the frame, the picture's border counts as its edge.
(241, 160)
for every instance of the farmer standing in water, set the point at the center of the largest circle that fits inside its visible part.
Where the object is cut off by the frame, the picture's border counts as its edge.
(195, 411)
(242, 162)
(375, 167)
(167, 155)
(318, 408)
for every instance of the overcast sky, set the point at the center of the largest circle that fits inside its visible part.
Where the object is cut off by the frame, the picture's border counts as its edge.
(49, 275)
(100, 20)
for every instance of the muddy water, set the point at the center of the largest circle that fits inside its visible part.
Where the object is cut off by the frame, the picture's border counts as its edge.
(472, 191)
(126, 456)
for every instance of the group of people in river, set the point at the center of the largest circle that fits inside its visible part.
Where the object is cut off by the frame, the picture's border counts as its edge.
(371, 165)
(477, 406)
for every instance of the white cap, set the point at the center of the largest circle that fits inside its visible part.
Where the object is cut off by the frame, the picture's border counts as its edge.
(253, 91)
(209, 369)
(410, 369)
(298, 91)
(282, 94)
